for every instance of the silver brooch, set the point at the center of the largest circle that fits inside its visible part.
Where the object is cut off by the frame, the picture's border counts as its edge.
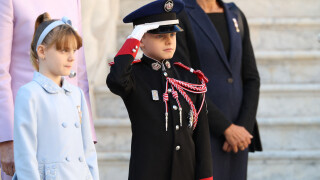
(168, 6)
(236, 24)
(168, 64)
(156, 66)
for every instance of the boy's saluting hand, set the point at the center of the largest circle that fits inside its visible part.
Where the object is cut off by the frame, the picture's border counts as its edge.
(140, 30)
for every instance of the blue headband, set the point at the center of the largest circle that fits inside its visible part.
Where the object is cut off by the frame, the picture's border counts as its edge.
(51, 26)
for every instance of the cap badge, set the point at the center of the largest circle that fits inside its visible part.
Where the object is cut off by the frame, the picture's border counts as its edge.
(156, 66)
(168, 6)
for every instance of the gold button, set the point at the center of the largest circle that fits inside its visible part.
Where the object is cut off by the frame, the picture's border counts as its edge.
(230, 80)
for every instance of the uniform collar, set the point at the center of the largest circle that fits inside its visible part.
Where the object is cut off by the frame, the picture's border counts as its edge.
(50, 86)
(155, 64)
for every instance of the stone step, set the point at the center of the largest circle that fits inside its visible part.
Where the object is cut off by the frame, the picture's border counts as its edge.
(275, 8)
(279, 67)
(108, 105)
(128, 6)
(284, 165)
(113, 166)
(114, 135)
(289, 100)
(279, 34)
(276, 100)
(291, 134)
(268, 165)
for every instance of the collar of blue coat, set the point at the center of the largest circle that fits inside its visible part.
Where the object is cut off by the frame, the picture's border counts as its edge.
(50, 86)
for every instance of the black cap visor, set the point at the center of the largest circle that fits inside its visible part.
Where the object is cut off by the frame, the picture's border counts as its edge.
(166, 29)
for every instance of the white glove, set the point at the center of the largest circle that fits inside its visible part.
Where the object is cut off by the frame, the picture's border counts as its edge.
(141, 29)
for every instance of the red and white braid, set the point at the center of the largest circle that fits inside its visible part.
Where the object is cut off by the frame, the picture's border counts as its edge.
(181, 87)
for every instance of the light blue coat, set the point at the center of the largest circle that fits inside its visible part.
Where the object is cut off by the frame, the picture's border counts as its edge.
(51, 140)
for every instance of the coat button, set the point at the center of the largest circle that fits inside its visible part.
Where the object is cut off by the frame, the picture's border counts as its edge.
(169, 90)
(81, 159)
(177, 148)
(133, 50)
(230, 80)
(165, 74)
(175, 107)
(68, 159)
(77, 124)
(177, 127)
(65, 125)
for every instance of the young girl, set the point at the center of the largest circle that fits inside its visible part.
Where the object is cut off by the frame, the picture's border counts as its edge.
(52, 136)
(170, 134)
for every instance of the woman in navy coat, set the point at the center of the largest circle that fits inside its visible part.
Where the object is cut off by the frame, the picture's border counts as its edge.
(217, 41)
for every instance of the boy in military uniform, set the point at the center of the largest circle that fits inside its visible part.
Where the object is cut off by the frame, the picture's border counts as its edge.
(165, 101)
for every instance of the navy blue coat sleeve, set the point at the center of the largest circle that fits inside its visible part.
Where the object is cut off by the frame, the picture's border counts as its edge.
(120, 79)
(218, 123)
(251, 83)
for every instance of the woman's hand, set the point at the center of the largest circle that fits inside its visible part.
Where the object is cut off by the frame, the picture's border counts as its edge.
(7, 159)
(238, 137)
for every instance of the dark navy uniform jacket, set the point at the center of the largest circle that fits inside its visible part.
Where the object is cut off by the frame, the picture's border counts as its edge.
(157, 154)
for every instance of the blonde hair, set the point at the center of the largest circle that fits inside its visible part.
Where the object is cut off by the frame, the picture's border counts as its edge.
(60, 36)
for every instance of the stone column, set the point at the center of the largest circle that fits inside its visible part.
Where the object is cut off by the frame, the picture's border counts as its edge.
(99, 23)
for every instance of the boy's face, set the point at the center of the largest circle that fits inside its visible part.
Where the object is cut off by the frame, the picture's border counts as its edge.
(159, 46)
